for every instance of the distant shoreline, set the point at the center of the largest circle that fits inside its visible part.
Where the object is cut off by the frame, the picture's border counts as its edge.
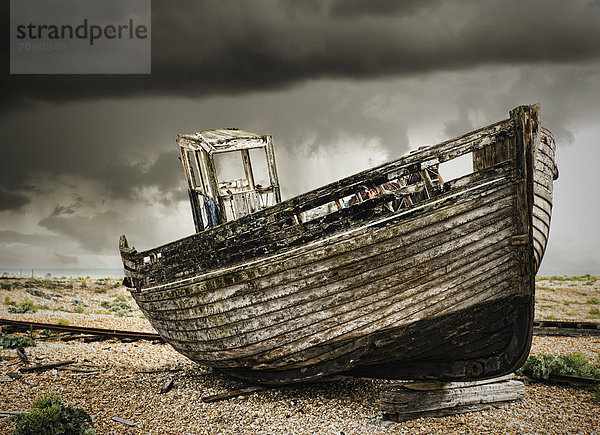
(59, 273)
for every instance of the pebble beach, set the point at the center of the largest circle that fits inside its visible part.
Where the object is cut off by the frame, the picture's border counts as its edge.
(121, 381)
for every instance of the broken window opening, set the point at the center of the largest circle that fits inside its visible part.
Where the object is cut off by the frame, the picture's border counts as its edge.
(457, 167)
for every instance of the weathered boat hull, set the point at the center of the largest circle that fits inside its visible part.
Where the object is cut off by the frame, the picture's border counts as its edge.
(442, 288)
(545, 172)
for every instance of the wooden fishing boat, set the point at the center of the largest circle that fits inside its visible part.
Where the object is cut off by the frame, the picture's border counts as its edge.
(390, 273)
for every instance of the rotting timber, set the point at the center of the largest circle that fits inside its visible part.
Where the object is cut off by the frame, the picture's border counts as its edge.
(427, 279)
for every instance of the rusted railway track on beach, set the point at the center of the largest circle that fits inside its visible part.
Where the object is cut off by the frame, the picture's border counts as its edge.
(566, 328)
(109, 333)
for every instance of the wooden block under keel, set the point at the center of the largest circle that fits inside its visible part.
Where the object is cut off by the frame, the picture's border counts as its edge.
(404, 401)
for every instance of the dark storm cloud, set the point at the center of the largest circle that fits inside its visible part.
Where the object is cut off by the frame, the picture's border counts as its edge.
(208, 47)
(62, 210)
(125, 147)
(65, 260)
(8, 237)
(104, 143)
(89, 231)
(164, 173)
(19, 248)
(353, 8)
(12, 201)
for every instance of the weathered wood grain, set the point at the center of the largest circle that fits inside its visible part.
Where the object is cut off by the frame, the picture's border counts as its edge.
(402, 403)
(369, 250)
(416, 258)
(545, 172)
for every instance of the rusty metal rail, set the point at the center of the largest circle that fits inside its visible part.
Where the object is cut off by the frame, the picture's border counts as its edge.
(113, 333)
(566, 328)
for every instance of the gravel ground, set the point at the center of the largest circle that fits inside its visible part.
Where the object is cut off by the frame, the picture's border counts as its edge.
(75, 302)
(567, 298)
(118, 389)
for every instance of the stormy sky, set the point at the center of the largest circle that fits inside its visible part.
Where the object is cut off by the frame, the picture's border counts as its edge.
(342, 85)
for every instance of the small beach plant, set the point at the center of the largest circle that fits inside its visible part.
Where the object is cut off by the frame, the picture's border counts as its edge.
(10, 341)
(24, 307)
(48, 416)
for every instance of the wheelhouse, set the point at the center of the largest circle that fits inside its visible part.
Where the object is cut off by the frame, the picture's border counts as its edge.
(214, 199)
